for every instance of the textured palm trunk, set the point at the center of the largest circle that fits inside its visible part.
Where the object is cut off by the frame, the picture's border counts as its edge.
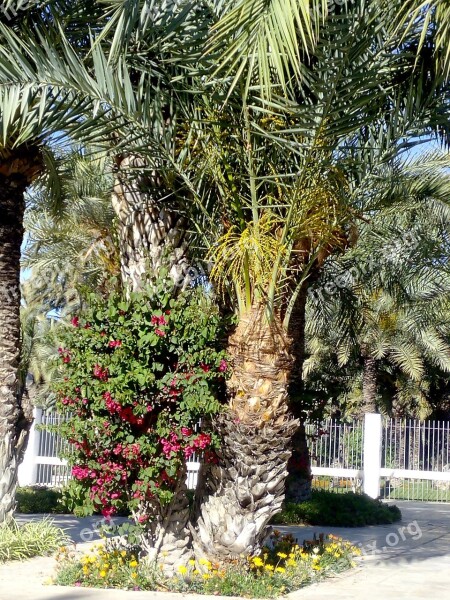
(246, 486)
(369, 391)
(151, 233)
(298, 484)
(13, 422)
(167, 539)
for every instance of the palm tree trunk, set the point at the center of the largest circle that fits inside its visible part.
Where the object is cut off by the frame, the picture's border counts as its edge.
(13, 424)
(369, 391)
(247, 484)
(151, 234)
(298, 484)
(167, 539)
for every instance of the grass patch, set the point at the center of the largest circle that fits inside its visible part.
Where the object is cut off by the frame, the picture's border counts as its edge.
(282, 567)
(38, 499)
(338, 510)
(39, 538)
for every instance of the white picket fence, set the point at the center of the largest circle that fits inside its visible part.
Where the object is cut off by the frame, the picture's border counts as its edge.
(389, 458)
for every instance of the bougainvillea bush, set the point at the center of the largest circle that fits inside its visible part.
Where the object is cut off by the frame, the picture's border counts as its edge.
(138, 374)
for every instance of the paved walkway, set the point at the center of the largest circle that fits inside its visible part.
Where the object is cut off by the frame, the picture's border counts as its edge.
(407, 560)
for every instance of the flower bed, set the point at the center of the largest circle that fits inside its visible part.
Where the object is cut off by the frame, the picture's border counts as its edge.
(281, 567)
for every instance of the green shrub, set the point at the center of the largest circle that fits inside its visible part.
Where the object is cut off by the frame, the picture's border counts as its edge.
(39, 538)
(138, 374)
(339, 510)
(37, 499)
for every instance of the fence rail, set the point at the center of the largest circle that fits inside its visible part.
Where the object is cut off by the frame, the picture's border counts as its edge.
(388, 458)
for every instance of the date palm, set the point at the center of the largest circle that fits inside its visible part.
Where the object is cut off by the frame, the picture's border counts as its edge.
(314, 101)
(389, 305)
(291, 180)
(28, 114)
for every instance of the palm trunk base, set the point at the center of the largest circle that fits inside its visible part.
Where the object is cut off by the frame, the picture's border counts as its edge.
(167, 541)
(8, 479)
(247, 488)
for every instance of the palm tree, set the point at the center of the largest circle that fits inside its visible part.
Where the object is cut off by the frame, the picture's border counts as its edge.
(71, 245)
(391, 305)
(326, 98)
(292, 185)
(28, 114)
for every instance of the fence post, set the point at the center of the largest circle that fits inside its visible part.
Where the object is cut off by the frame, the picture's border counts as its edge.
(28, 467)
(372, 454)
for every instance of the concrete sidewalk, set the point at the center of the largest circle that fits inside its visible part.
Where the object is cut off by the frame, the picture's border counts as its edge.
(407, 560)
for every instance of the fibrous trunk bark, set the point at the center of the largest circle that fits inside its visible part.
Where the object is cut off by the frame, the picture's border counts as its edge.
(14, 424)
(167, 539)
(298, 483)
(369, 391)
(246, 486)
(151, 233)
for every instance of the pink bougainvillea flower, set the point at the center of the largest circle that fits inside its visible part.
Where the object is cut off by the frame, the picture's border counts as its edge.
(75, 321)
(160, 332)
(204, 367)
(115, 344)
(223, 366)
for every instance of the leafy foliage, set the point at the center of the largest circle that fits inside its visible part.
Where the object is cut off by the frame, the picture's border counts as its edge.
(139, 374)
(38, 499)
(338, 510)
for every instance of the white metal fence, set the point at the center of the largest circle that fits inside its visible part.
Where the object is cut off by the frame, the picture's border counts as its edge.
(388, 458)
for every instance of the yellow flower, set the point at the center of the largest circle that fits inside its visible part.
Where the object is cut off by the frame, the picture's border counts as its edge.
(85, 570)
(102, 573)
(280, 570)
(123, 553)
(196, 572)
(269, 567)
(282, 555)
(133, 564)
(192, 562)
(257, 561)
(291, 563)
(316, 567)
(205, 562)
(134, 574)
(206, 576)
(182, 569)
(337, 555)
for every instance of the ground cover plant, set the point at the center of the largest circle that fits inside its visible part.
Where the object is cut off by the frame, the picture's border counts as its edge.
(40, 538)
(338, 510)
(281, 567)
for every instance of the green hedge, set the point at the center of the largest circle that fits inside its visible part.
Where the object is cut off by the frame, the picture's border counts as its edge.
(38, 499)
(338, 510)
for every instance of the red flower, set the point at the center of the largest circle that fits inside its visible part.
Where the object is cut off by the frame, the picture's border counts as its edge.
(115, 344)
(101, 373)
(223, 366)
(204, 367)
(75, 321)
(160, 332)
